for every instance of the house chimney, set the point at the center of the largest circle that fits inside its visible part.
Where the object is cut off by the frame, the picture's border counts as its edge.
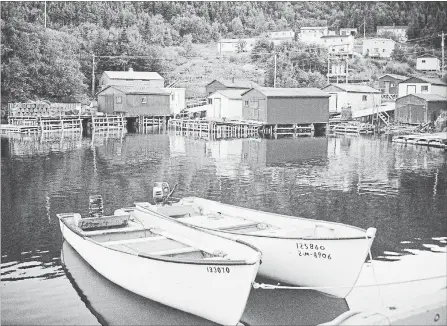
(130, 69)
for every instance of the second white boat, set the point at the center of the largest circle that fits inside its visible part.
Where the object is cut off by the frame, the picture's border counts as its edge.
(304, 252)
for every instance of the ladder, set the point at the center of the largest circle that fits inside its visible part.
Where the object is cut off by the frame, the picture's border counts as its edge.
(384, 117)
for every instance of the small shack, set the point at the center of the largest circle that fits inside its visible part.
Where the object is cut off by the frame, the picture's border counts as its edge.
(353, 98)
(389, 83)
(422, 85)
(134, 101)
(225, 103)
(419, 108)
(428, 62)
(216, 85)
(286, 105)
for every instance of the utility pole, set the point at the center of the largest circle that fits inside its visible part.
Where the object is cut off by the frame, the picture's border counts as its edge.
(274, 76)
(442, 47)
(93, 75)
(364, 28)
(346, 70)
(328, 65)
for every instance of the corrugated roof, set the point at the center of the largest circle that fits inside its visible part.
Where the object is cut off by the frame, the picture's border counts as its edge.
(427, 55)
(336, 36)
(434, 81)
(316, 27)
(139, 75)
(232, 94)
(292, 92)
(235, 40)
(355, 88)
(247, 84)
(431, 97)
(138, 89)
(392, 27)
(400, 77)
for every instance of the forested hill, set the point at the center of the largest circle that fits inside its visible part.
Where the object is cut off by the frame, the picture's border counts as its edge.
(56, 63)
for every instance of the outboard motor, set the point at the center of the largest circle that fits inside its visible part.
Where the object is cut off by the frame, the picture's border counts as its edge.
(95, 207)
(160, 191)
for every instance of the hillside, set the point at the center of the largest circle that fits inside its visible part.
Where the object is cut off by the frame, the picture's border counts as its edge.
(47, 54)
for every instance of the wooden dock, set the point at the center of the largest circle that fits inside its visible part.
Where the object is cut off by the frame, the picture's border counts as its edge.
(22, 129)
(215, 129)
(438, 140)
(353, 128)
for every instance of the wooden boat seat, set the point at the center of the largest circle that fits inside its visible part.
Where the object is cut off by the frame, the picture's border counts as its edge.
(128, 241)
(222, 222)
(175, 251)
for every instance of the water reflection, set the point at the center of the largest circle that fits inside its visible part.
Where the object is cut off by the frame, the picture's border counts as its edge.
(362, 181)
(113, 305)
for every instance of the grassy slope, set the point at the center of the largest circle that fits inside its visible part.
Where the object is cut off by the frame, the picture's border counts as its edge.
(205, 65)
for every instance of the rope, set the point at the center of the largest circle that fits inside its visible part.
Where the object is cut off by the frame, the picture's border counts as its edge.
(374, 272)
(274, 287)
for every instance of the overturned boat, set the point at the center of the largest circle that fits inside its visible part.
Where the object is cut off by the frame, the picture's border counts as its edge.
(327, 256)
(166, 261)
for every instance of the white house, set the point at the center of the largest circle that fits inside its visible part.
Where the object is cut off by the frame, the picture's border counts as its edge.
(338, 44)
(225, 103)
(177, 102)
(348, 31)
(230, 45)
(285, 35)
(355, 98)
(313, 34)
(131, 78)
(399, 31)
(422, 85)
(428, 62)
(378, 47)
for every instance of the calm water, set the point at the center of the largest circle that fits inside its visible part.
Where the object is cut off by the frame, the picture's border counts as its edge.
(362, 181)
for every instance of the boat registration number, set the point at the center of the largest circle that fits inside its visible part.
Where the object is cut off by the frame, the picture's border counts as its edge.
(221, 270)
(312, 250)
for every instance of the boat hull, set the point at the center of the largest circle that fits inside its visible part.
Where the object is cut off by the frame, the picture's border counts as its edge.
(330, 266)
(324, 261)
(195, 288)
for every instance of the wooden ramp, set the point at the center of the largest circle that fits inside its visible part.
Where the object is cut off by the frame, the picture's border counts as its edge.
(438, 140)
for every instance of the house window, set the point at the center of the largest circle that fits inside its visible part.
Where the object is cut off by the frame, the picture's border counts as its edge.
(424, 89)
(392, 84)
(376, 50)
(143, 100)
(246, 103)
(210, 101)
(119, 100)
(364, 98)
(383, 50)
(423, 61)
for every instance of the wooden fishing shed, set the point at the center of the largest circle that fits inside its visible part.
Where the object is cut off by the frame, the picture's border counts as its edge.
(134, 101)
(286, 105)
(419, 108)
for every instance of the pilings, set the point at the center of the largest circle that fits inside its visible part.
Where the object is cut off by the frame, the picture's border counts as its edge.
(215, 129)
(108, 122)
(294, 130)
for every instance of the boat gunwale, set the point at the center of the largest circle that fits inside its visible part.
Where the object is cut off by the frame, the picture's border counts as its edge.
(291, 217)
(165, 259)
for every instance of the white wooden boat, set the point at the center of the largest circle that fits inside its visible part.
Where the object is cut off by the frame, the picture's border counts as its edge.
(429, 309)
(297, 251)
(166, 261)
